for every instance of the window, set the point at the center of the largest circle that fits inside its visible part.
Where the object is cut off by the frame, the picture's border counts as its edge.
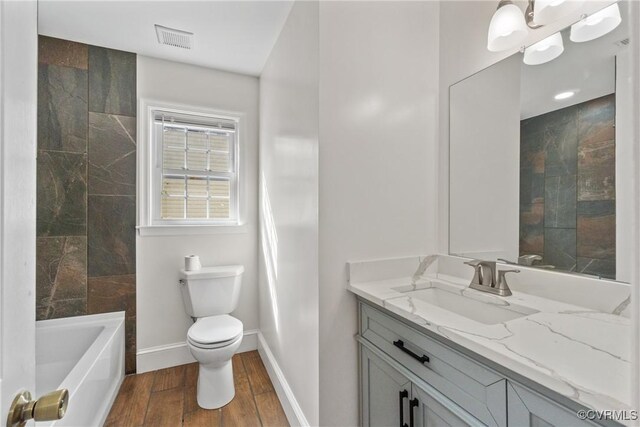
(195, 178)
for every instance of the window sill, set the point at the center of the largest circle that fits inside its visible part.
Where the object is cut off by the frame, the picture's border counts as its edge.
(190, 230)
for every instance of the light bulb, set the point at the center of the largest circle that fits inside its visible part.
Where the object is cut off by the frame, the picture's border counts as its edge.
(596, 25)
(545, 50)
(507, 28)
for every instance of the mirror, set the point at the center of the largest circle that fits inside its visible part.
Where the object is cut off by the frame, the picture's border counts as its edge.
(540, 160)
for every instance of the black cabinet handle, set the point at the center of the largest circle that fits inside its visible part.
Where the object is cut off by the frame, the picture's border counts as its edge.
(402, 395)
(422, 359)
(413, 403)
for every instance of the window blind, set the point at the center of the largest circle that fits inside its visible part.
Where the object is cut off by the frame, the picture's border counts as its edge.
(198, 168)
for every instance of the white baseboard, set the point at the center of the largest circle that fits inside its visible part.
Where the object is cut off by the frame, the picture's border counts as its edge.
(289, 403)
(167, 356)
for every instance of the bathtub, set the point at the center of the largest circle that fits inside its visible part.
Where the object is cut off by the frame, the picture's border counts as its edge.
(85, 355)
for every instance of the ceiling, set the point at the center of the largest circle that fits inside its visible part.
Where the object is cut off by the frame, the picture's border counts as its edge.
(232, 35)
(587, 68)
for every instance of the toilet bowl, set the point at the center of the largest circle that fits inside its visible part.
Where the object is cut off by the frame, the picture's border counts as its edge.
(213, 341)
(209, 295)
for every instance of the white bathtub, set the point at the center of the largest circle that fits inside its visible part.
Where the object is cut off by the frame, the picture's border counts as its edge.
(85, 355)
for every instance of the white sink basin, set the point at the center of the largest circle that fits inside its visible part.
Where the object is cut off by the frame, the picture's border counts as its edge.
(490, 312)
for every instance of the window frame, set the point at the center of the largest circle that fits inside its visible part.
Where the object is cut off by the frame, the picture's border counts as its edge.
(152, 172)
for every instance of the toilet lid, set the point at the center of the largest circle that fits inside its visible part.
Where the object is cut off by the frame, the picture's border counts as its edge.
(215, 329)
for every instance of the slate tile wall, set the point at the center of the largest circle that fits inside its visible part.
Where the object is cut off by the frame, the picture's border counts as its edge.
(567, 187)
(86, 183)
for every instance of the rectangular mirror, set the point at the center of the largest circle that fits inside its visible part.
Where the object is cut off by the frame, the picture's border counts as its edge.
(540, 159)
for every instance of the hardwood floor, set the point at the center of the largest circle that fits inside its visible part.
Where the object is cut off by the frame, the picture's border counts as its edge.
(168, 398)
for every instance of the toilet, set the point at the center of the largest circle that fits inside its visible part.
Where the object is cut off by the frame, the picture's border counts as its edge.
(209, 295)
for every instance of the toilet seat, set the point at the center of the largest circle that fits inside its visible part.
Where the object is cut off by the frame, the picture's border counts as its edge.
(214, 331)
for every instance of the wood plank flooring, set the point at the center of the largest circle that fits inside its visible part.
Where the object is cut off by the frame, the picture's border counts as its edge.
(168, 398)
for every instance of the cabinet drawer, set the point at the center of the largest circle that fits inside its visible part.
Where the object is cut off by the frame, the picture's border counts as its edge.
(470, 385)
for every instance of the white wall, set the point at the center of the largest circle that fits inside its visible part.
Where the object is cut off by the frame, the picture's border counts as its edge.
(485, 166)
(378, 179)
(161, 319)
(289, 205)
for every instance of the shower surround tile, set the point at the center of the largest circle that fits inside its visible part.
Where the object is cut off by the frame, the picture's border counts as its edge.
(560, 248)
(62, 308)
(65, 53)
(596, 120)
(560, 202)
(112, 81)
(597, 229)
(532, 229)
(61, 274)
(61, 194)
(111, 235)
(116, 293)
(112, 154)
(597, 171)
(62, 108)
(577, 227)
(561, 147)
(112, 293)
(599, 267)
(86, 183)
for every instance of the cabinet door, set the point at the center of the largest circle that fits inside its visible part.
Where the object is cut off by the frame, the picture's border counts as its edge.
(529, 409)
(429, 412)
(385, 393)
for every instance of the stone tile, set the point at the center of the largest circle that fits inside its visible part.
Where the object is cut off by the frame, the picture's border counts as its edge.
(532, 229)
(61, 270)
(65, 53)
(532, 153)
(560, 202)
(63, 308)
(130, 345)
(61, 194)
(560, 248)
(112, 81)
(561, 148)
(596, 120)
(531, 187)
(111, 235)
(597, 230)
(597, 170)
(112, 154)
(116, 293)
(112, 293)
(605, 268)
(62, 108)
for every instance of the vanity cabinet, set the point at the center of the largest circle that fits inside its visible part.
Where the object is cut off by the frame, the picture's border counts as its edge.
(529, 409)
(410, 379)
(392, 399)
(464, 382)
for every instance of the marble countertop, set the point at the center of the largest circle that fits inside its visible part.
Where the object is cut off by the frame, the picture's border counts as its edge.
(577, 352)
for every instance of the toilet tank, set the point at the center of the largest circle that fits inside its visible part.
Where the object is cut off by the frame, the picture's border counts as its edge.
(211, 291)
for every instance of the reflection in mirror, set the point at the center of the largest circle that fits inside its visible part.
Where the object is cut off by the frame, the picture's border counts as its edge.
(538, 158)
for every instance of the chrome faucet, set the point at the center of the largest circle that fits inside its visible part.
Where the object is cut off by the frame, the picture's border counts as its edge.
(484, 278)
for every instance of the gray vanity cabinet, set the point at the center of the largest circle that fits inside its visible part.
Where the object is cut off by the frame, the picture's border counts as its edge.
(410, 379)
(428, 412)
(389, 398)
(529, 409)
(385, 392)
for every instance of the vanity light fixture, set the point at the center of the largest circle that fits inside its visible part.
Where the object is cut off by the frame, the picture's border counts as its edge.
(545, 50)
(508, 27)
(564, 95)
(596, 25)
(548, 11)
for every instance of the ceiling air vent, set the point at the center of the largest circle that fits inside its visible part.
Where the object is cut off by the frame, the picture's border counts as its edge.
(175, 38)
